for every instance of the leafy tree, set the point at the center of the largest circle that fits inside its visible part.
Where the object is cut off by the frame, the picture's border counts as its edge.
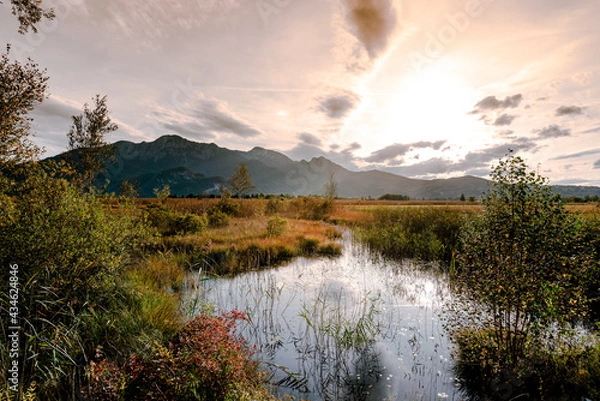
(22, 86)
(29, 13)
(519, 272)
(87, 138)
(241, 181)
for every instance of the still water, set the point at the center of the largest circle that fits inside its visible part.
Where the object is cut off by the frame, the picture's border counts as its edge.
(355, 327)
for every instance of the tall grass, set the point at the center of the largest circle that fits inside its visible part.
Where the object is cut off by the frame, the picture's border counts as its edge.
(252, 243)
(425, 233)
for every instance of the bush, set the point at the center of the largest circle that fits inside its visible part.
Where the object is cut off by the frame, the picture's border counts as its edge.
(68, 250)
(204, 361)
(567, 370)
(312, 208)
(217, 219)
(308, 246)
(170, 222)
(274, 206)
(276, 226)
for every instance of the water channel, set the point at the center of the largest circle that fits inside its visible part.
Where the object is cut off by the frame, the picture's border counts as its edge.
(355, 327)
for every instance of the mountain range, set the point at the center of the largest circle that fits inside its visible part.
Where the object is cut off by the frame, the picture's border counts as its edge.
(202, 168)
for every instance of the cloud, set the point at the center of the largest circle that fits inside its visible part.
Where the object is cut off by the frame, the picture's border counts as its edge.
(203, 117)
(592, 131)
(552, 131)
(396, 150)
(372, 22)
(578, 154)
(492, 103)
(597, 164)
(569, 110)
(57, 107)
(309, 139)
(338, 105)
(474, 163)
(506, 133)
(503, 120)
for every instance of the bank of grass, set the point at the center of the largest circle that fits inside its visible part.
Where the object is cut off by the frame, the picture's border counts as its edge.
(249, 244)
(420, 232)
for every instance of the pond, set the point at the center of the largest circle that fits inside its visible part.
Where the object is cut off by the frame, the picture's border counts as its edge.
(355, 327)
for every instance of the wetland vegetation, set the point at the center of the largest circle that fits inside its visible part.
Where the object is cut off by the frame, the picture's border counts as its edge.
(308, 298)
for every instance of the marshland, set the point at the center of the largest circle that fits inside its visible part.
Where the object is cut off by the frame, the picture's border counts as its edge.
(304, 298)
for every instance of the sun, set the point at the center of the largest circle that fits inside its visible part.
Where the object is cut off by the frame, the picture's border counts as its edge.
(430, 105)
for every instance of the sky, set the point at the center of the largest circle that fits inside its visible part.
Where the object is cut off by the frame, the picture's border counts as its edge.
(424, 89)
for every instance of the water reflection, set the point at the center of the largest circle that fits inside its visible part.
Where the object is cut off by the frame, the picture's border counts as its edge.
(354, 327)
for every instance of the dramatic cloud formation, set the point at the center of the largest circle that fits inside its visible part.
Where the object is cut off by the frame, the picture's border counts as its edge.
(202, 117)
(504, 119)
(552, 131)
(396, 150)
(338, 105)
(492, 103)
(327, 78)
(372, 22)
(569, 110)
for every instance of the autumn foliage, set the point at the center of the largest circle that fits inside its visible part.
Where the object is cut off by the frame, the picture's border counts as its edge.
(204, 361)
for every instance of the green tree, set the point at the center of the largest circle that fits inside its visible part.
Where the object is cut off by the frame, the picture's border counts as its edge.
(22, 86)
(519, 271)
(29, 13)
(87, 140)
(241, 181)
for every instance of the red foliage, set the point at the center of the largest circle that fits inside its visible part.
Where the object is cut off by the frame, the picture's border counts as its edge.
(203, 361)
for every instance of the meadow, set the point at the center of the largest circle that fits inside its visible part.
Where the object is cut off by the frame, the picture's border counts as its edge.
(104, 285)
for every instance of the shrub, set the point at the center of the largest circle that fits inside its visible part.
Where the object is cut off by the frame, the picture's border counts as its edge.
(168, 222)
(312, 208)
(308, 246)
(276, 226)
(204, 361)
(274, 206)
(217, 219)
(68, 250)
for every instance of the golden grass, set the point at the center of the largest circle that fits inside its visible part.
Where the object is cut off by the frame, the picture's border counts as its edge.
(246, 245)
